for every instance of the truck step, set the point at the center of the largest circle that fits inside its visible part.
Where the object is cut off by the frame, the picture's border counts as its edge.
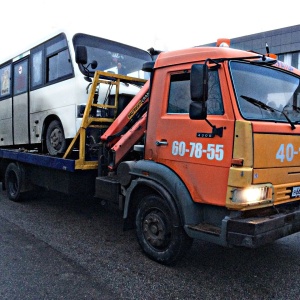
(107, 188)
(207, 228)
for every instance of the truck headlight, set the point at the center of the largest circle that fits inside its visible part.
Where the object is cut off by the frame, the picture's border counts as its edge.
(252, 195)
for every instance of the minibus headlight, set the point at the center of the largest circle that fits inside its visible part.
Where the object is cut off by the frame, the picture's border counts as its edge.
(80, 110)
(98, 112)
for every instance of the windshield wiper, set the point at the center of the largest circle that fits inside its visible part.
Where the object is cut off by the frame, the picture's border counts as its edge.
(267, 107)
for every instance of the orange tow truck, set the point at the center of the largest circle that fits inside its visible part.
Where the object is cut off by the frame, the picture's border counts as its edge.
(208, 149)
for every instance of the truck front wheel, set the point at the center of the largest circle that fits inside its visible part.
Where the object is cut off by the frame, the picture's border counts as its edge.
(158, 236)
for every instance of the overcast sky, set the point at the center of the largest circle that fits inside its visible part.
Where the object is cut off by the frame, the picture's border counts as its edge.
(162, 24)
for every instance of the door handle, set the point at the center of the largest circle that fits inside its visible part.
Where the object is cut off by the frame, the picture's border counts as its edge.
(161, 143)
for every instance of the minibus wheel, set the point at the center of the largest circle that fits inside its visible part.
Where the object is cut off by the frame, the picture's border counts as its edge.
(55, 138)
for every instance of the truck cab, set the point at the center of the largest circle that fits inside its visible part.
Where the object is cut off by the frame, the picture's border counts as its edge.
(249, 136)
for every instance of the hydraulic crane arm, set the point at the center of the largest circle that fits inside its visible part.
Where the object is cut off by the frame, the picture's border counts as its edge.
(127, 118)
(127, 128)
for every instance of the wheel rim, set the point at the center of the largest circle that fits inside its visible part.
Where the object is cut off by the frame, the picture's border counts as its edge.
(155, 230)
(56, 138)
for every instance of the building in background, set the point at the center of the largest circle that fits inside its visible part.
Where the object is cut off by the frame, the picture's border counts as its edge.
(285, 42)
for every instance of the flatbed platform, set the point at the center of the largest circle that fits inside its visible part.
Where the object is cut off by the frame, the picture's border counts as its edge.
(48, 161)
(50, 172)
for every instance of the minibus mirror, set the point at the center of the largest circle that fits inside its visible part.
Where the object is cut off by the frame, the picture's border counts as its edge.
(94, 64)
(81, 55)
(148, 66)
(198, 85)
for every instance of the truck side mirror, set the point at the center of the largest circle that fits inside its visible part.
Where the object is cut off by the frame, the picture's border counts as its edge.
(199, 82)
(81, 55)
(198, 110)
(199, 90)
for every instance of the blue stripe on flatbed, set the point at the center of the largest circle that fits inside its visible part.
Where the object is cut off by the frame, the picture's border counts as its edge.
(39, 159)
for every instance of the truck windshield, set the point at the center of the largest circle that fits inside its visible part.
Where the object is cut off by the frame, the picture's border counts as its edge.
(265, 93)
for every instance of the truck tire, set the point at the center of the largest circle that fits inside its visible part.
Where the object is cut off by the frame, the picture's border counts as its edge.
(156, 232)
(55, 138)
(13, 182)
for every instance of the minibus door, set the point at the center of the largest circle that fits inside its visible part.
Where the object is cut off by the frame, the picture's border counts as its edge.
(21, 102)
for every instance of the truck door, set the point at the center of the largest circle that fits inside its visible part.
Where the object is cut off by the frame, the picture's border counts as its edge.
(20, 102)
(199, 156)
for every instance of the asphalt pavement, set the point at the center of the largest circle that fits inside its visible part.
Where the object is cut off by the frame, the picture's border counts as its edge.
(57, 247)
(32, 269)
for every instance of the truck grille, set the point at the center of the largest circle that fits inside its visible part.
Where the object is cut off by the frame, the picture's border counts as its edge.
(283, 193)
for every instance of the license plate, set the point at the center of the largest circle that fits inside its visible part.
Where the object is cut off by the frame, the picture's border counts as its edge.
(295, 192)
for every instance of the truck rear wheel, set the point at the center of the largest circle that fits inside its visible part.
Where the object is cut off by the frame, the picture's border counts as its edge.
(157, 234)
(55, 138)
(13, 181)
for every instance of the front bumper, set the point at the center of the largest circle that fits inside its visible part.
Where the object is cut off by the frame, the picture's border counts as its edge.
(253, 232)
